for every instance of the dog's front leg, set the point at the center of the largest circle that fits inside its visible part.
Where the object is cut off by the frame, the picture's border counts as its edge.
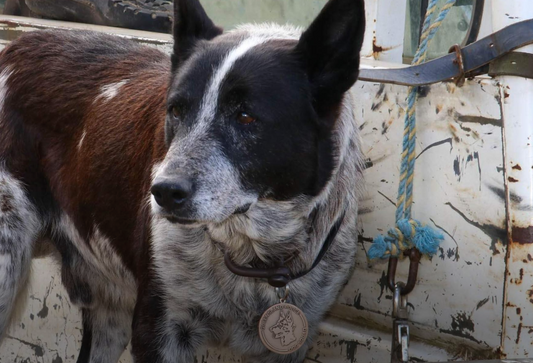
(163, 335)
(106, 332)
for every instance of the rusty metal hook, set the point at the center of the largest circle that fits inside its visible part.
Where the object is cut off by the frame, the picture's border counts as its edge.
(414, 259)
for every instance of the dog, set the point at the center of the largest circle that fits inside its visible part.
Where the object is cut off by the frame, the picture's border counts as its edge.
(284, 329)
(143, 170)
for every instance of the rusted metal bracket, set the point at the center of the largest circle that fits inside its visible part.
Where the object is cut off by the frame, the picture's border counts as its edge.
(414, 258)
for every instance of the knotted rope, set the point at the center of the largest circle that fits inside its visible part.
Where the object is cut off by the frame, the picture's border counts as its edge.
(408, 232)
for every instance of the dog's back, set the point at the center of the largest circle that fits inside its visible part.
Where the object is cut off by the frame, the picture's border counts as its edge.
(75, 104)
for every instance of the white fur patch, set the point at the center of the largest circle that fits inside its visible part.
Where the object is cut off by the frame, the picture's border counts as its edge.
(270, 30)
(19, 229)
(110, 91)
(102, 257)
(80, 143)
(4, 76)
(111, 332)
(210, 100)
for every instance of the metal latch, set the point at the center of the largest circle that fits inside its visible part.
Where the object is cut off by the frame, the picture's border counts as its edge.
(400, 328)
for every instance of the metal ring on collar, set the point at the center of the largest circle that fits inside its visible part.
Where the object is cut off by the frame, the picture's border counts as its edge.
(283, 293)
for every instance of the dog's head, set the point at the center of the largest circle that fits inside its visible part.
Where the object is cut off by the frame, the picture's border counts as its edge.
(250, 112)
(284, 328)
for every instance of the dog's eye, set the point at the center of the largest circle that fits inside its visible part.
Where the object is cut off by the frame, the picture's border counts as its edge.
(245, 118)
(175, 112)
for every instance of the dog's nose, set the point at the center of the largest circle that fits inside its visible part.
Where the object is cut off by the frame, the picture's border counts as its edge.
(172, 193)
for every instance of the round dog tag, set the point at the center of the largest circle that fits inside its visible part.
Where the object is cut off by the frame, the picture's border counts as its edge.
(283, 328)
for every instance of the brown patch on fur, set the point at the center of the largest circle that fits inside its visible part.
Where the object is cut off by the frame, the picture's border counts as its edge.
(53, 98)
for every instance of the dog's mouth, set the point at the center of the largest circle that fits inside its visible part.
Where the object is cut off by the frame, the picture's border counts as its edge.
(188, 221)
(176, 220)
(242, 209)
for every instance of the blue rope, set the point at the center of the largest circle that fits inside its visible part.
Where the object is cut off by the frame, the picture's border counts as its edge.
(410, 233)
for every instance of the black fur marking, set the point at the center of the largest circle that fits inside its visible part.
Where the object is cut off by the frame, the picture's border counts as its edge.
(329, 50)
(78, 289)
(273, 154)
(149, 313)
(86, 342)
(191, 24)
(189, 86)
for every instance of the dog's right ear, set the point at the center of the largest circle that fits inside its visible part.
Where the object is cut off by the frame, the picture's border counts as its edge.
(191, 24)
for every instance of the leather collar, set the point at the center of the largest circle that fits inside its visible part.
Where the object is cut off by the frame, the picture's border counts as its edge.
(280, 276)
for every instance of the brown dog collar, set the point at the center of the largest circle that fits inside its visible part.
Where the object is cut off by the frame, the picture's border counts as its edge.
(282, 275)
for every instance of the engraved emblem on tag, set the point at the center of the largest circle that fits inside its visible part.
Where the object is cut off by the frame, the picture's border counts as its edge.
(283, 328)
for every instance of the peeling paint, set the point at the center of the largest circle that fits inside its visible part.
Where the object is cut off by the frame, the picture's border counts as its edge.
(481, 303)
(480, 120)
(462, 325)
(498, 235)
(38, 350)
(351, 349)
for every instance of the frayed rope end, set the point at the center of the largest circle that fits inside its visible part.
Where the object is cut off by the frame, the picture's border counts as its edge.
(379, 248)
(406, 235)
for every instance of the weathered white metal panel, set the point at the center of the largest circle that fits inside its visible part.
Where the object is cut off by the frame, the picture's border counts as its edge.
(384, 38)
(459, 175)
(517, 94)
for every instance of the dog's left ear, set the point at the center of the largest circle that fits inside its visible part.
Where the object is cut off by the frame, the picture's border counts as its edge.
(329, 51)
(191, 24)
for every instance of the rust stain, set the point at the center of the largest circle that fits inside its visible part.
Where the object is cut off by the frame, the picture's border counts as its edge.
(453, 131)
(522, 235)
(377, 49)
(438, 109)
(451, 87)
(512, 180)
(518, 280)
(517, 167)
(530, 294)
